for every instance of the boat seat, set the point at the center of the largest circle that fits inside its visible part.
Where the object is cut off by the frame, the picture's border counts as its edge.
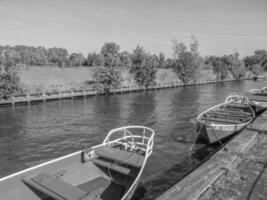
(56, 188)
(228, 116)
(233, 110)
(236, 114)
(258, 98)
(113, 166)
(223, 121)
(121, 156)
(236, 105)
(236, 109)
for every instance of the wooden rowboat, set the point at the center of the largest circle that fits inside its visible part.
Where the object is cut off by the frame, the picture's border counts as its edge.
(225, 119)
(258, 97)
(109, 171)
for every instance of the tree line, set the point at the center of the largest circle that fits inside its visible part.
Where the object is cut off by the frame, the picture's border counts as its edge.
(186, 62)
(40, 56)
(110, 54)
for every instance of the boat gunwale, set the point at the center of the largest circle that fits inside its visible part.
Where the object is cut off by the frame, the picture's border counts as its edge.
(39, 165)
(224, 125)
(135, 182)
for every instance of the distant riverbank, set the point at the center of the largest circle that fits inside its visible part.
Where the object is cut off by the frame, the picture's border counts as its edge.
(52, 79)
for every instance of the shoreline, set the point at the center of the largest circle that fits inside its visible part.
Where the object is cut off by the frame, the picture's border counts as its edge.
(75, 94)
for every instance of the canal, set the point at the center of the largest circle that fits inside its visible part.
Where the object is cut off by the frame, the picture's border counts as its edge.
(33, 134)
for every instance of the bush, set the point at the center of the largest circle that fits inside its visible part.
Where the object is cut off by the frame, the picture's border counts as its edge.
(219, 67)
(106, 78)
(9, 85)
(186, 62)
(185, 67)
(144, 67)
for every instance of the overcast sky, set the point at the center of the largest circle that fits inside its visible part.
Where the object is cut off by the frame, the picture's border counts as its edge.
(221, 26)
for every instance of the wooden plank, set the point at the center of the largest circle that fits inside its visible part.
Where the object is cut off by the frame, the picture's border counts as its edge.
(252, 97)
(236, 105)
(228, 116)
(222, 121)
(225, 112)
(197, 182)
(234, 111)
(260, 124)
(237, 110)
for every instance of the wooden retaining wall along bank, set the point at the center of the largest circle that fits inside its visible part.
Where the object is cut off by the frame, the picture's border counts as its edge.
(37, 98)
(240, 172)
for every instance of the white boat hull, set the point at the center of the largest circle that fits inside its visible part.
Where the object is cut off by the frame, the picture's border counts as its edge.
(75, 172)
(225, 119)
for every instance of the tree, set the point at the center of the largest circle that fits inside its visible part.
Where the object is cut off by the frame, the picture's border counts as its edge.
(257, 62)
(194, 45)
(77, 59)
(162, 62)
(170, 63)
(90, 59)
(56, 55)
(179, 48)
(185, 67)
(125, 59)
(235, 65)
(110, 51)
(9, 84)
(10, 59)
(261, 57)
(219, 66)
(143, 67)
(155, 59)
(106, 78)
(98, 60)
(185, 62)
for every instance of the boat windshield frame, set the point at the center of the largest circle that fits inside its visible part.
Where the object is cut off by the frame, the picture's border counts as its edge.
(147, 137)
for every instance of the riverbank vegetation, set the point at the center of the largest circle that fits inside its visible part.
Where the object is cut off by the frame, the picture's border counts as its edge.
(9, 84)
(40, 69)
(186, 62)
(143, 67)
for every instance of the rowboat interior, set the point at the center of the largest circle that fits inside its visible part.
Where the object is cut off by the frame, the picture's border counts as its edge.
(109, 171)
(258, 97)
(231, 112)
(259, 92)
(221, 121)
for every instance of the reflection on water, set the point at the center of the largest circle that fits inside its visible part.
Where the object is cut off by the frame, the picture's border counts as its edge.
(33, 134)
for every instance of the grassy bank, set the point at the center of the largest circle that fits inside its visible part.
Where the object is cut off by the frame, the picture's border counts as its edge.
(52, 79)
(55, 79)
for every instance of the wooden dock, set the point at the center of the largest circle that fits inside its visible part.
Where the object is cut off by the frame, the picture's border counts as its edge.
(52, 96)
(239, 172)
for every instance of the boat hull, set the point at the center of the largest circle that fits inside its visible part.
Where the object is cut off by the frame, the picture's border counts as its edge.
(223, 120)
(258, 100)
(212, 134)
(111, 170)
(11, 187)
(132, 191)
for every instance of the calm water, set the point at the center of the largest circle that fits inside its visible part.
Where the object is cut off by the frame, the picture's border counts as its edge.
(30, 135)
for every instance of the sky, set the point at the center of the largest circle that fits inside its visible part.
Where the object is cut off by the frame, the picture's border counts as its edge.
(220, 26)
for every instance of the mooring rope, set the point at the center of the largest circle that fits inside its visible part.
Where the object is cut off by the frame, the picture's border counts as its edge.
(192, 146)
(218, 139)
